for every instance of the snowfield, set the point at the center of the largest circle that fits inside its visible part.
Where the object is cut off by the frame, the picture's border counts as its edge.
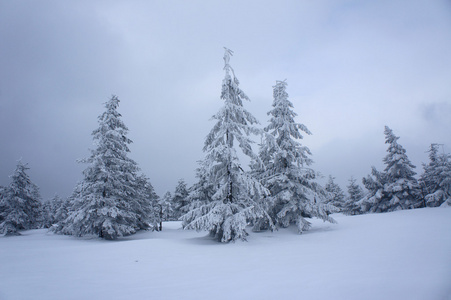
(398, 255)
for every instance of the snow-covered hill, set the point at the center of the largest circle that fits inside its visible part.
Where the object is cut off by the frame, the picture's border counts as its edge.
(399, 255)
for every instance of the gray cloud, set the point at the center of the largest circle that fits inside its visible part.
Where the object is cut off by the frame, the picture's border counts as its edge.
(352, 67)
(437, 112)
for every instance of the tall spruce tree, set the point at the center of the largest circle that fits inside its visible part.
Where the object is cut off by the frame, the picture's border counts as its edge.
(355, 192)
(285, 168)
(396, 188)
(435, 182)
(110, 201)
(21, 207)
(232, 205)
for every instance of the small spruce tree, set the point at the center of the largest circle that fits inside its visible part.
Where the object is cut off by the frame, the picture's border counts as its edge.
(59, 208)
(337, 196)
(180, 199)
(2, 203)
(435, 182)
(21, 205)
(46, 214)
(54, 211)
(375, 198)
(355, 192)
(395, 188)
(203, 190)
(147, 209)
(402, 187)
(165, 210)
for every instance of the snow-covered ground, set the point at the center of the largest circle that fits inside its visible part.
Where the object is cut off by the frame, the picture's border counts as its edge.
(399, 255)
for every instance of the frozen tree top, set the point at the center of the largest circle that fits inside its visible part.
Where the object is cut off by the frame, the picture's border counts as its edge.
(227, 54)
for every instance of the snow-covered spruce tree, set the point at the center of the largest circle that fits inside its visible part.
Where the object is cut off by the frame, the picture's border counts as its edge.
(428, 180)
(355, 192)
(2, 203)
(148, 199)
(168, 207)
(21, 205)
(402, 187)
(285, 168)
(395, 188)
(62, 211)
(59, 209)
(375, 198)
(232, 205)
(109, 200)
(435, 182)
(180, 199)
(201, 192)
(52, 210)
(337, 196)
(165, 210)
(46, 214)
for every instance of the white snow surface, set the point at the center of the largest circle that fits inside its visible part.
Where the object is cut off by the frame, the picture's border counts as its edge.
(397, 255)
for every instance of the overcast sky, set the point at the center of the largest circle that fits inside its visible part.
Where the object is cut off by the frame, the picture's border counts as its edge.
(351, 66)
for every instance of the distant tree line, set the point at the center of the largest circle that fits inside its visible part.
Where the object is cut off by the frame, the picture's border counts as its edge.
(278, 189)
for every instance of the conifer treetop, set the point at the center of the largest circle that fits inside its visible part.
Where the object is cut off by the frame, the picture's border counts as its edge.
(21, 183)
(227, 54)
(283, 131)
(282, 120)
(111, 127)
(234, 122)
(397, 163)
